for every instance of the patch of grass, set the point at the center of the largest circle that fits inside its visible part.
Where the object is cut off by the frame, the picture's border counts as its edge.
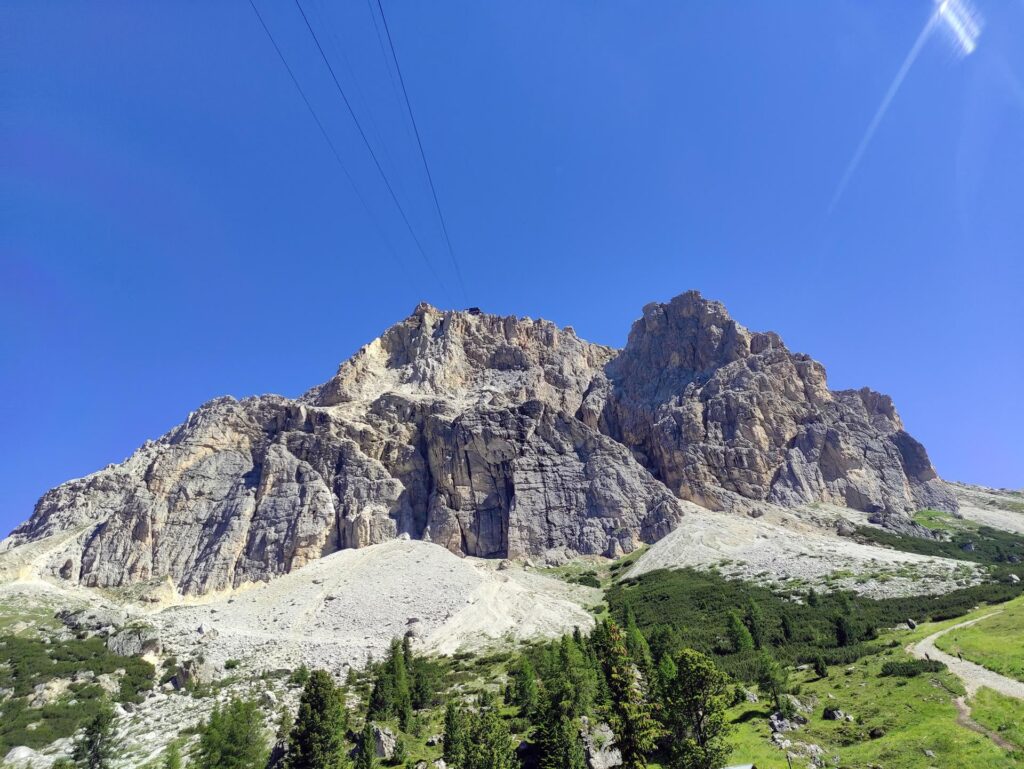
(996, 643)
(1001, 714)
(915, 715)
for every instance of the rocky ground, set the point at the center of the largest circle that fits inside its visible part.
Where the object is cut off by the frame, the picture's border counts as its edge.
(801, 547)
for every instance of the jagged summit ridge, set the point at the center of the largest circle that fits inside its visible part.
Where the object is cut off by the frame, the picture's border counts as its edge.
(491, 436)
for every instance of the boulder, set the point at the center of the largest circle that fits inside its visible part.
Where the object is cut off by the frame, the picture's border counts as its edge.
(599, 745)
(135, 641)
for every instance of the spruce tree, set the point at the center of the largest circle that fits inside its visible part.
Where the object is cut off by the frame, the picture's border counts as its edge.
(788, 631)
(455, 735)
(490, 744)
(94, 748)
(845, 633)
(739, 635)
(524, 688)
(772, 680)
(317, 739)
(754, 620)
(392, 695)
(696, 701)
(232, 738)
(366, 752)
(637, 646)
(635, 730)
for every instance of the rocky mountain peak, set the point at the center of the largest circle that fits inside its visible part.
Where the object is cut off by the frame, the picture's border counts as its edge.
(490, 436)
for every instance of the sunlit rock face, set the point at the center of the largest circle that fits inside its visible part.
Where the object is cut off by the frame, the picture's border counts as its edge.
(493, 437)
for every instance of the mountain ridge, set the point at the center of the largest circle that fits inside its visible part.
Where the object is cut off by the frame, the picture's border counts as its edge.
(494, 437)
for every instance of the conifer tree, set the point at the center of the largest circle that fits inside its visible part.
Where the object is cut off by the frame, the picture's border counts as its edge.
(490, 744)
(772, 680)
(788, 631)
(696, 701)
(635, 730)
(94, 748)
(232, 738)
(754, 620)
(317, 739)
(523, 689)
(667, 672)
(576, 678)
(392, 696)
(560, 744)
(739, 635)
(366, 752)
(455, 735)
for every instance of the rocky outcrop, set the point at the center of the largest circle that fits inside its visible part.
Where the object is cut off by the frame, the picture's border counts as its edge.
(711, 407)
(494, 437)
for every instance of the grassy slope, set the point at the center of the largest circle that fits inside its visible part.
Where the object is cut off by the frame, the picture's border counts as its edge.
(917, 714)
(997, 643)
(999, 713)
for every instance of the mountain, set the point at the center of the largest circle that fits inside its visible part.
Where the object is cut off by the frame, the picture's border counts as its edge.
(494, 437)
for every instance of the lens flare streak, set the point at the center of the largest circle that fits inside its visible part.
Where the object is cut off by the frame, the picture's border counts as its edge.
(962, 24)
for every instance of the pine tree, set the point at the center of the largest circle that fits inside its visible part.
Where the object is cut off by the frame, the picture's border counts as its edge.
(94, 749)
(754, 620)
(666, 675)
(392, 695)
(788, 631)
(772, 680)
(455, 735)
(366, 752)
(576, 678)
(490, 744)
(523, 690)
(400, 754)
(637, 646)
(697, 699)
(317, 739)
(560, 744)
(820, 667)
(634, 728)
(739, 635)
(812, 597)
(845, 634)
(233, 738)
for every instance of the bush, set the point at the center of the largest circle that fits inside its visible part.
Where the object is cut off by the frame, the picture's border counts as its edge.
(911, 668)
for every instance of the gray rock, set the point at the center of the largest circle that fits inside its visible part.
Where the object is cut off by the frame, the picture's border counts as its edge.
(492, 436)
(384, 742)
(135, 641)
(599, 745)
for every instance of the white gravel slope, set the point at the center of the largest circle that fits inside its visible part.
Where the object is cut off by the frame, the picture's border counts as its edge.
(788, 547)
(335, 611)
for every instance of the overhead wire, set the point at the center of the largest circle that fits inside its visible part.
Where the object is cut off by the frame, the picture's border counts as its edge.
(419, 143)
(327, 137)
(369, 147)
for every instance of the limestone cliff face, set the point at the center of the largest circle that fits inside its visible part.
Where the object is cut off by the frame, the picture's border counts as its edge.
(494, 437)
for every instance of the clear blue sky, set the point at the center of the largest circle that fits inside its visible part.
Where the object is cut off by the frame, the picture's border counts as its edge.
(174, 227)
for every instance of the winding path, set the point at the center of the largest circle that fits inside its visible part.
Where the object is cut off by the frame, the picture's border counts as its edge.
(974, 676)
